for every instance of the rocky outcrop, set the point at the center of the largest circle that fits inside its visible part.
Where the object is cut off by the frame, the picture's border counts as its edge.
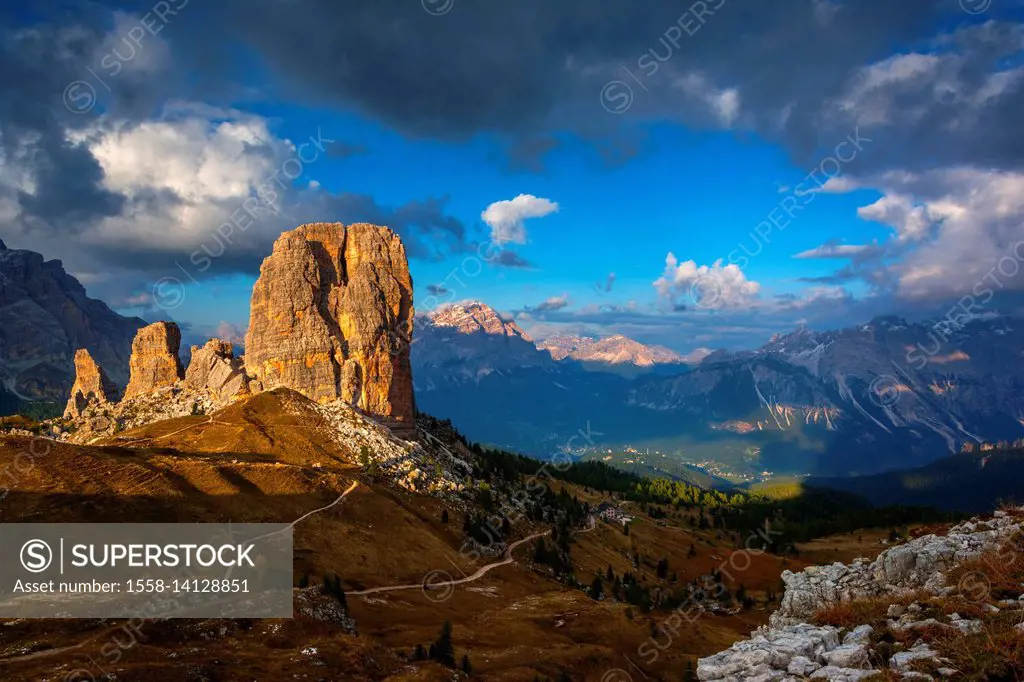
(918, 564)
(92, 386)
(45, 317)
(792, 648)
(155, 363)
(332, 318)
(215, 370)
(790, 653)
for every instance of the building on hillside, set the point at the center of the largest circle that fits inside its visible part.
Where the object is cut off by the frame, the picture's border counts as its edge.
(609, 513)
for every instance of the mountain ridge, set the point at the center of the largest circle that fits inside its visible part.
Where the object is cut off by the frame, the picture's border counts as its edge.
(45, 317)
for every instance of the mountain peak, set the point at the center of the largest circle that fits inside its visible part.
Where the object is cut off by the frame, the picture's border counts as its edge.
(612, 350)
(475, 316)
(51, 317)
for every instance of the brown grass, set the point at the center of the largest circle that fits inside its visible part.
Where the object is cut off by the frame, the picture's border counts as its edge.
(995, 575)
(997, 653)
(849, 614)
(252, 463)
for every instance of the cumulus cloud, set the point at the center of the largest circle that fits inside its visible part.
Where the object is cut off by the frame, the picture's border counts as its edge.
(201, 188)
(706, 286)
(911, 220)
(507, 219)
(953, 231)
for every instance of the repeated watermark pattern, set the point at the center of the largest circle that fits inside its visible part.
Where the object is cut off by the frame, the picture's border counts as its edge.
(617, 94)
(706, 292)
(438, 585)
(437, 8)
(169, 292)
(80, 96)
(22, 465)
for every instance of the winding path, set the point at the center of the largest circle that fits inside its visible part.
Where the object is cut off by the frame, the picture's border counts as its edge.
(53, 652)
(507, 559)
(355, 484)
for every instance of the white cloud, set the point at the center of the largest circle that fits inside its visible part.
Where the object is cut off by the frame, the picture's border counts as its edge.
(552, 304)
(208, 160)
(231, 333)
(836, 251)
(976, 218)
(723, 103)
(814, 296)
(507, 218)
(905, 89)
(871, 97)
(714, 286)
(953, 229)
(911, 220)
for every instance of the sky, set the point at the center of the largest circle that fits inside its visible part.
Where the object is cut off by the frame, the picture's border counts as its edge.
(692, 174)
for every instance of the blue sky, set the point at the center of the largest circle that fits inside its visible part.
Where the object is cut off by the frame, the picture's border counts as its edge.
(697, 194)
(131, 133)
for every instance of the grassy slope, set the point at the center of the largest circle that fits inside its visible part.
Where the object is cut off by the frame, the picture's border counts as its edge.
(253, 463)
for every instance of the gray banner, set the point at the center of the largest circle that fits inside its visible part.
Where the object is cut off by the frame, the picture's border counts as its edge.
(152, 570)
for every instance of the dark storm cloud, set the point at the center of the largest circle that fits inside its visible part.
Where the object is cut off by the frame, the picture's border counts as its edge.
(57, 86)
(528, 153)
(526, 71)
(532, 67)
(36, 66)
(426, 230)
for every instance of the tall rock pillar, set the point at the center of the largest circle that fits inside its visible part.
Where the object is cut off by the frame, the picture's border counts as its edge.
(331, 318)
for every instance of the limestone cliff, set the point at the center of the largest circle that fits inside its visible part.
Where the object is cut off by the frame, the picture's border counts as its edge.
(155, 362)
(92, 386)
(331, 318)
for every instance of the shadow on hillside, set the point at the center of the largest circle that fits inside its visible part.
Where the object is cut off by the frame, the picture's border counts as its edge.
(192, 506)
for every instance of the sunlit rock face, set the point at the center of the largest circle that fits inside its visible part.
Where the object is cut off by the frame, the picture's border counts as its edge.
(332, 318)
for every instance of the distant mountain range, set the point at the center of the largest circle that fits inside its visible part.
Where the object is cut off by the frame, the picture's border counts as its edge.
(611, 350)
(473, 326)
(45, 316)
(884, 395)
(966, 482)
(889, 385)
